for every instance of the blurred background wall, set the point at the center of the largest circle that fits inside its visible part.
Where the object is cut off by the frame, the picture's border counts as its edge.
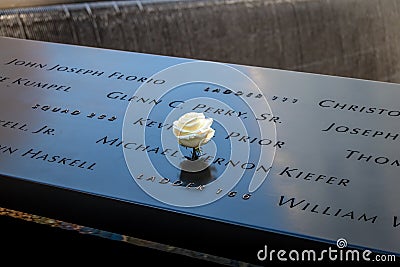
(351, 38)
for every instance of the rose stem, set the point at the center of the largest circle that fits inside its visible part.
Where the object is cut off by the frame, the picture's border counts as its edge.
(194, 154)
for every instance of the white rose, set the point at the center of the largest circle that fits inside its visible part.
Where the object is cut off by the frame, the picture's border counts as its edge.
(193, 129)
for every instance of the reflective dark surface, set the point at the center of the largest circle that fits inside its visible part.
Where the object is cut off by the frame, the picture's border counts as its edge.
(372, 189)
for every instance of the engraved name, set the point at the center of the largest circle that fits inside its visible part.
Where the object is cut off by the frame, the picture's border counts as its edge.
(124, 97)
(254, 140)
(332, 104)
(233, 113)
(29, 64)
(315, 208)
(58, 159)
(37, 65)
(204, 108)
(14, 125)
(117, 142)
(116, 75)
(233, 135)
(20, 126)
(153, 124)
(214, 110)
(133, 78)
(359, 131)
(379, 160)
(297, 174)
(7, 149)
(44, 85)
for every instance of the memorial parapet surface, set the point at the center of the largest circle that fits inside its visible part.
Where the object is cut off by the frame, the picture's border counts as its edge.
(89, 136)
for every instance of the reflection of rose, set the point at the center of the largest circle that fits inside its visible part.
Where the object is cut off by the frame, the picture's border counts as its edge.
(196, 173)
(193, 129)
